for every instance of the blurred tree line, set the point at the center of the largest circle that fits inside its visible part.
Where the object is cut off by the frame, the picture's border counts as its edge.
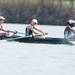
(52, 12)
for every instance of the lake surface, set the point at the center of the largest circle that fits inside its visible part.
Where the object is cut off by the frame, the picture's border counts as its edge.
(37, 59)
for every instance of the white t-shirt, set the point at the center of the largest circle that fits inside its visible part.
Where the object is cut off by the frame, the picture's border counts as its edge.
(2, 26)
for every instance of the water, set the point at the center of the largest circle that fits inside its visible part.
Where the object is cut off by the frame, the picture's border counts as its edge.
(37, 59)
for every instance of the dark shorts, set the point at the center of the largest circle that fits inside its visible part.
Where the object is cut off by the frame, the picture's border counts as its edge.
(28, 32)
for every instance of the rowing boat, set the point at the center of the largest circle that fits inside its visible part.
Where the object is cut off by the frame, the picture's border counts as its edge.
(47, 40)
(29, 39)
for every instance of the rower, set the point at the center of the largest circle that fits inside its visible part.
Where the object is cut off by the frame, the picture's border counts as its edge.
(4, 32)
(69, 31)
(33, 30)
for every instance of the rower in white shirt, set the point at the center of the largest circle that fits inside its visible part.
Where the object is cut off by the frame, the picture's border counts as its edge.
(4, 31)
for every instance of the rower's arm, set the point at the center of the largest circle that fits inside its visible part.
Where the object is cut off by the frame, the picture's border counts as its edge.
(37, 34)
(3, 30)
(69, 29)
(39, 30)
(8, 31)
(73, 31)
(35, 31)
(1, 27)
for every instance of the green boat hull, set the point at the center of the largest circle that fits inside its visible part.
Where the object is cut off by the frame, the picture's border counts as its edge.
(47, 40)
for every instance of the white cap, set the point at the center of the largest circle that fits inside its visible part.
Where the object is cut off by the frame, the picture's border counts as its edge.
(2, 18)
(71, 22)
(34, 20)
